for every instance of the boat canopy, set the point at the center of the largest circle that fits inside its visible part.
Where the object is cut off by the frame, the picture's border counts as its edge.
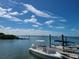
(40, 43)
(40, 40)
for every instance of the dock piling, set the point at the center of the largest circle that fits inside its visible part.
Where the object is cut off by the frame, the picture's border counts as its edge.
(50, 40)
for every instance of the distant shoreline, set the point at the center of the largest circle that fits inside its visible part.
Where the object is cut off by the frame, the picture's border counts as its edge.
(48, 35)
(6, 36)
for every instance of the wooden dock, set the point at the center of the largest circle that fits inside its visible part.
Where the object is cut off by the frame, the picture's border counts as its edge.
(70, 55)
(66, 54)
(68, 51)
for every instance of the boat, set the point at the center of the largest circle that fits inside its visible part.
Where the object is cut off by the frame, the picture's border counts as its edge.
(41, 50)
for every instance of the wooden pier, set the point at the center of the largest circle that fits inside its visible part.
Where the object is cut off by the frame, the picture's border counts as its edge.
(66, 54)
(69, 52)
(70, 55)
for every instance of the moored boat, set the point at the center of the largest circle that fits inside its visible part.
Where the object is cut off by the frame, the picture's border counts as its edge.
(42, 51)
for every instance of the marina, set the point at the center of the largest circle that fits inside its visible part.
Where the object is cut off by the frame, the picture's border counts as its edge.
(39, 29)
(54, 52)
(19, 49)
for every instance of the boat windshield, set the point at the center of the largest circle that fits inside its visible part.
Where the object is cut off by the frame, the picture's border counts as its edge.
(40, 40)
(40, 43)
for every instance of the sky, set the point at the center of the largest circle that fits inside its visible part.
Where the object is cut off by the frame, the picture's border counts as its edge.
(39, 17)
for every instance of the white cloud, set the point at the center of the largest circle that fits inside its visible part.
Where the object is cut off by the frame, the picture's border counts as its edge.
(49, 22)
(35, 25)
(19, 31)
(10, 9)
(50, 26)
(2, 11)
(16, 19)
(17, 13)
(1, 26)
(25, 11)
(73, 29)
(60, 27)
(63, 20)
(8, 28)
(12, 1)
(36, 11)
(7, 14)
(32, 20)
(14, 13)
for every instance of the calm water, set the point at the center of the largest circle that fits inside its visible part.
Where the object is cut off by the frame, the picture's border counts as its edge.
(18, 49)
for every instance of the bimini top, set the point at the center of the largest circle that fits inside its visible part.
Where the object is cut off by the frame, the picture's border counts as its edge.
(40, 43)
(40, 40)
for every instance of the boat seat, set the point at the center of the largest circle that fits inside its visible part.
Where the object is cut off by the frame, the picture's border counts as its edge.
(51, 51)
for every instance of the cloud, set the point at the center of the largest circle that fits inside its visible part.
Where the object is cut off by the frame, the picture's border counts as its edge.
(35, 25)
(40, 13)
(1, 26)
(36, 11)
(74, 32)
(50, 26)
(7, 14)
(60, 27)
(17, 13)
(13, 2)
(19, 31)
(14, 13)
(10, 9)
(49, 22)
(22, 31)
(25, 11)
(73, 29)
(3, 11)
(32, 20)
(63, 20)
(15, 19)
(8, 28)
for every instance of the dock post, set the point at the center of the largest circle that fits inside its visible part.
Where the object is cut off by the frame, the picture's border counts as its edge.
(50, 40)
(63, 42)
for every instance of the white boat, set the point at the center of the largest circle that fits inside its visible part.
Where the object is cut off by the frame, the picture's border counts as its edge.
(41, 50)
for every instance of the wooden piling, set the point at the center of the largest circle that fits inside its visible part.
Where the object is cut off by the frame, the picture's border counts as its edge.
(63, 44)
(50, 40)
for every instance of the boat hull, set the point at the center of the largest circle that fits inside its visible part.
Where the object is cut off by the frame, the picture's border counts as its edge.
(40, 55)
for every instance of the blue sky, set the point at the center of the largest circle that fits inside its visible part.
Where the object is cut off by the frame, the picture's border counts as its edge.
(39, 17)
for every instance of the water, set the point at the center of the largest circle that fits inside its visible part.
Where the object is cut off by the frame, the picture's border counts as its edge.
(18, 49)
